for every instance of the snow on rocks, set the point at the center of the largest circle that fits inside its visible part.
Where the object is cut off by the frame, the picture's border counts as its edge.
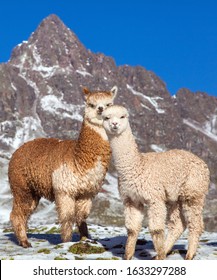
(26, 129)
(151, 100)
(206, 129)
(158, 148)
(84, 73)
(57, 106)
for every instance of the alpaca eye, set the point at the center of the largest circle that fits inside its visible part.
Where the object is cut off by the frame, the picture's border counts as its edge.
(106, 118)
(91, 105)
(109, 104)
(123, 117)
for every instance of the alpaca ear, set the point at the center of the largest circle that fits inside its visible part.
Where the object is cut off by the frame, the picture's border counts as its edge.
(114, 91)
(86, 91)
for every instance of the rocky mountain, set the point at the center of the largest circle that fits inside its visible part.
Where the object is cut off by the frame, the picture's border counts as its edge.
(41, 95)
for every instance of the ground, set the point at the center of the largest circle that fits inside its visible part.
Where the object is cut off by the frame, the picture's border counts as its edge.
(104, 243)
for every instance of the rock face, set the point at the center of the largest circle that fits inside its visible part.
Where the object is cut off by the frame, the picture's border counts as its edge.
(40, 89)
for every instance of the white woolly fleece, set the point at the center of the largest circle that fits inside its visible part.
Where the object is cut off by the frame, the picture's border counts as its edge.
(173, 184)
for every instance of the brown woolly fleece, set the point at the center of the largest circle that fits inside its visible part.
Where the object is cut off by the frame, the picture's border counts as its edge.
(69, 172)
(173, 185)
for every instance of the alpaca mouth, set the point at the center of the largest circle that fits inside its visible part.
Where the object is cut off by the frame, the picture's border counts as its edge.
(114, 128)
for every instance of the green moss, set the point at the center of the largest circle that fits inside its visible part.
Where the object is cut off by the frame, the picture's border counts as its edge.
(79, 258)
(60, 258)
(53, 230)
(85, 248)
(58, 247)
(113, 258)
(204, 240)
(8, 230)
(45, 251)
(36, 230)
(83, 238)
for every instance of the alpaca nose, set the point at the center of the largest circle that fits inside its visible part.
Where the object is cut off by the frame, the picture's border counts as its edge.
(114, 123)
(100, 109)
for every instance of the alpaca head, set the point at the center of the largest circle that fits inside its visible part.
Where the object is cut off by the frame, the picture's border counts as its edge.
(96, 103)
(115, 120)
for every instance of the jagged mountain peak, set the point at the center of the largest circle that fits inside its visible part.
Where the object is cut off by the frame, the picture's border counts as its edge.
(53, 19)
(52, 44)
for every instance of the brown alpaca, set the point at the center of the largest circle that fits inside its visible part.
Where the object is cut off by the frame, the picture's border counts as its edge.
(69, 172)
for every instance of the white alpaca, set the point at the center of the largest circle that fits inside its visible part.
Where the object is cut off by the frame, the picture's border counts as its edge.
(172, 184)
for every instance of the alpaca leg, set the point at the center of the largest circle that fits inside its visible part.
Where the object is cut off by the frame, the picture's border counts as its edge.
(157, 219)
(195, 225)
(176, 225)
(22, 209)
(133, 221)
(82, 210)
(66, 213)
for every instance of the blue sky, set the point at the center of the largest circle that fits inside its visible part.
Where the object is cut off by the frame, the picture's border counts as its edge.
(175, 39)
